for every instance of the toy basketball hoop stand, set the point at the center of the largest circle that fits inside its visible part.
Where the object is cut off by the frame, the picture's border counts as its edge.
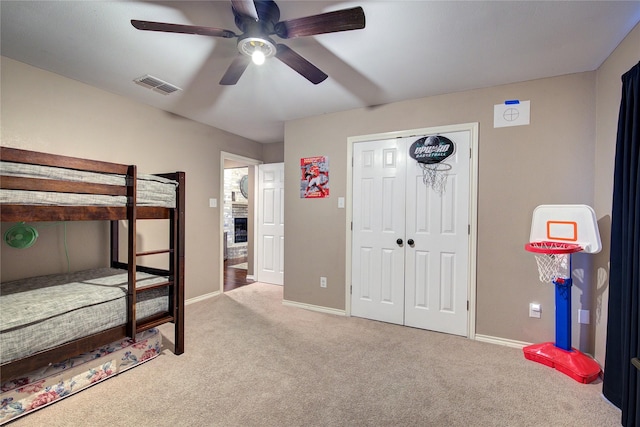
(557, 232)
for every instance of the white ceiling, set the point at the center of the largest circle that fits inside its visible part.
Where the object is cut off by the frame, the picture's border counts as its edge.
(409, 49)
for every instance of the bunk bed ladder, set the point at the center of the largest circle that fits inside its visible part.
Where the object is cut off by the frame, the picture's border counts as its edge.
(175, 283)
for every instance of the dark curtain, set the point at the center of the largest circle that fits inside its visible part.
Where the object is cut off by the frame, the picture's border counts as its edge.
(621, 379)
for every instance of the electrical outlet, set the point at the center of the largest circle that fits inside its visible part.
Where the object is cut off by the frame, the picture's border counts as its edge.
(535, 310)
(583, 317)
(323, 282)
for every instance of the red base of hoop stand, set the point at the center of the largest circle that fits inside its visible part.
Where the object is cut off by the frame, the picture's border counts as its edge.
(573, 363)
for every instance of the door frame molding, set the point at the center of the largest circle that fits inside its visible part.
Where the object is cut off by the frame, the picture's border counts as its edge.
(472, 128)
(244, 161)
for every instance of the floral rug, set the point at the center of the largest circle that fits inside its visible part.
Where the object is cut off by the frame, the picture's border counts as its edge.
(47, 385)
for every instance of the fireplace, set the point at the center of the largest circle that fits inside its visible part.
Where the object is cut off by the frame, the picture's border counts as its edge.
(239, 230)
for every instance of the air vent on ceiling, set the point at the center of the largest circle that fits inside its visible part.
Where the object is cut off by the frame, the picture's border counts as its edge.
(156, 84)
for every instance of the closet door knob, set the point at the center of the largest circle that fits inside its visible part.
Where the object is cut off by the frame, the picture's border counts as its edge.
(399, 242)
(410, 242)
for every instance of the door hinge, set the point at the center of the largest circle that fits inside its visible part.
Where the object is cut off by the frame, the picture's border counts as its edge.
(351, 290)
(467, 305)
(351, 225)
(469, 229)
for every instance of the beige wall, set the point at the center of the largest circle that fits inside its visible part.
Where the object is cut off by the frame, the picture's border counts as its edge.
(45, 112)
(608, 95)
(561, 133)
(549, 161)
(564, 156)
(273, 153)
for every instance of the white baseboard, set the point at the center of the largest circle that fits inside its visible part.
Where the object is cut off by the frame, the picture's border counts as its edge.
(201, 297)
(314, 307)
(501, 341)
(251, 277)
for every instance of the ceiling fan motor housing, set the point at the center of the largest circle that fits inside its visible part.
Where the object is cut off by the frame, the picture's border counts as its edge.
(255, 32)
(268, 16)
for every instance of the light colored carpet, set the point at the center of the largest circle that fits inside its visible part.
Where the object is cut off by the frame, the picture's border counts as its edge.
(251, 361)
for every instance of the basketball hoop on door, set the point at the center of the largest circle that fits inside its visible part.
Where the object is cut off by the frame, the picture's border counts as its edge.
(434, 175)
(430, 153)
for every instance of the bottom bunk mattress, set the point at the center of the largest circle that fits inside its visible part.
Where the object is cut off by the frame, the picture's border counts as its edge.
(54, 382)
(42, 312)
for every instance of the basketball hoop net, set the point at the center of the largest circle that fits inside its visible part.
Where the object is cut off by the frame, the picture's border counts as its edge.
(430, 153)
(552, 259)
(434, 175)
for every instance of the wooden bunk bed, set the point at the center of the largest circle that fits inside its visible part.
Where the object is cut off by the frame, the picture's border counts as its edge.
(116, 202)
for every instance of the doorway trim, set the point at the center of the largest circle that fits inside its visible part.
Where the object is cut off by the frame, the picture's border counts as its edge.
(473, 207)
(243, 161)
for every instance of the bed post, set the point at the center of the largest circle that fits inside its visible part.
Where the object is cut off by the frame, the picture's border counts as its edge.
(179, 222)
(132, 251)
(115, 242)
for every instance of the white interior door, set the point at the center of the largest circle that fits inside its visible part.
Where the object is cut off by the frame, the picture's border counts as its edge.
(437, 263)
(423, 281)
(378, 222)
(271, 223)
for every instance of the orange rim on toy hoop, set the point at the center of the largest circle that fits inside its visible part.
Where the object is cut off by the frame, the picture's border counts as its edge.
(552, 247)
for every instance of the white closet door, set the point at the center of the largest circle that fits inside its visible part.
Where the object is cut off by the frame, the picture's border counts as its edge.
(437, 263)
(410, 244)
(378, 222)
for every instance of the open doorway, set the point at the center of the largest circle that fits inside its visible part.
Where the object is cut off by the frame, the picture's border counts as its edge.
(237, 209)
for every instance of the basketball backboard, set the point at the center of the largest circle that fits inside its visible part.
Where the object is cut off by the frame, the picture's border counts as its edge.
(575, 224)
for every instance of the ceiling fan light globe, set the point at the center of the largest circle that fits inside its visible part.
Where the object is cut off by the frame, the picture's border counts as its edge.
(249, 46)
(258, 57)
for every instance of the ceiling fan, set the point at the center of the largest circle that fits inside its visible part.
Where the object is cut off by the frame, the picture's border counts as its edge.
(259, 20)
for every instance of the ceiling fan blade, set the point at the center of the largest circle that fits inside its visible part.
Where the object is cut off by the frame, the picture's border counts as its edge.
(330, 22)
(185, 29)
(245, 7)
(305, 68)
(235, 70)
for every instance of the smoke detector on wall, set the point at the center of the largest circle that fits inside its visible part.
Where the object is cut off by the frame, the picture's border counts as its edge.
(156, 84)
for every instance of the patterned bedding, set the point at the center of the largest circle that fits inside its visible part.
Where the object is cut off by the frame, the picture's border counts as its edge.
(152, 190)
(54, 382)
(42, 312)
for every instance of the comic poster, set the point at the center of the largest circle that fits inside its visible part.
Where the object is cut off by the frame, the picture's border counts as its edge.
(314, 182)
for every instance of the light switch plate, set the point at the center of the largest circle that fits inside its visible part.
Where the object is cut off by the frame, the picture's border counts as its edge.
(535, 310)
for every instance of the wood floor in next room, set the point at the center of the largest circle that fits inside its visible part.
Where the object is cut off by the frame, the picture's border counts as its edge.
(235, 277)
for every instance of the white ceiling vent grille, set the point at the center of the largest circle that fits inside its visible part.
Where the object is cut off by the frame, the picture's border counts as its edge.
(156, 84)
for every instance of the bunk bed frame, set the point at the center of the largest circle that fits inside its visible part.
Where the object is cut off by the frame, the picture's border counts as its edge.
(130, 213)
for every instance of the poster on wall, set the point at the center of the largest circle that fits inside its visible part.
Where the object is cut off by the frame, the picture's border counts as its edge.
(314, 182)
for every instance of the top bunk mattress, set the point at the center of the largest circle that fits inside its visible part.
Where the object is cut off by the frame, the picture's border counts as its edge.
(153, 190)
